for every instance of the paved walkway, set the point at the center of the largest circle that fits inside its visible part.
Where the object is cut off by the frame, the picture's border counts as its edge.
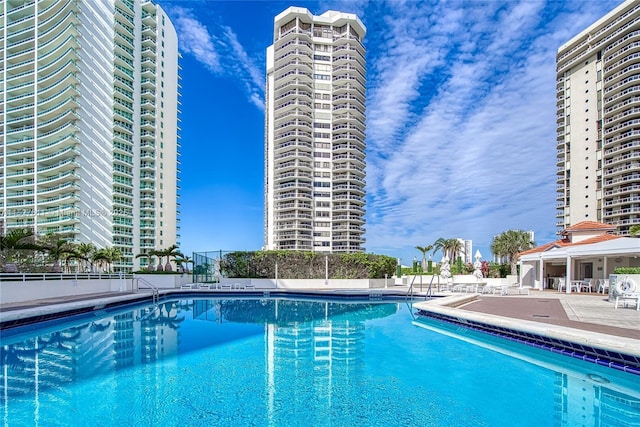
(592, 312)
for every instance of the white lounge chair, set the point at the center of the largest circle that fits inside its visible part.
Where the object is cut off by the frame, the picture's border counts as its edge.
(516, 289)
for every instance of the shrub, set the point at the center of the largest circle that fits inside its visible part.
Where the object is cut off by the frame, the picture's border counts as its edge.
(627, 270)
(306, 265)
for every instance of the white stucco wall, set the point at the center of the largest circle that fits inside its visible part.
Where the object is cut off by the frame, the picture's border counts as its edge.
(21, 291)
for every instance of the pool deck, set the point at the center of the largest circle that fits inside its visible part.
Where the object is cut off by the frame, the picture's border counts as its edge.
(589, 321)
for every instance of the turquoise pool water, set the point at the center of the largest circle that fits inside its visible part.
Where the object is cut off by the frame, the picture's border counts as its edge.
(266, 362)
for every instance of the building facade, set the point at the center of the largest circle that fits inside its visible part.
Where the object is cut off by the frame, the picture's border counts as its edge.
(598, 122)
(315, 133)
(89, 103)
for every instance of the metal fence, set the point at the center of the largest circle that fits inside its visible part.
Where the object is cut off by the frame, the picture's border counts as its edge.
(206, 266)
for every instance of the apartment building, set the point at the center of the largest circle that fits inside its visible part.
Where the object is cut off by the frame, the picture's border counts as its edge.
(315, 133)
(598, 122)
(89, 122)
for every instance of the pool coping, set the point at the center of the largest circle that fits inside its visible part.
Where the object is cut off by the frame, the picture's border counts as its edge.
(616, 352)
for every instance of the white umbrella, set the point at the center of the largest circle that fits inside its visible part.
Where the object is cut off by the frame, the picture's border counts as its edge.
(445, 269)
(477, 272)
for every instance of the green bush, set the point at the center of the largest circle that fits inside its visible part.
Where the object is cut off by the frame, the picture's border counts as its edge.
(627, 270)
(157, 272)
(306, 265)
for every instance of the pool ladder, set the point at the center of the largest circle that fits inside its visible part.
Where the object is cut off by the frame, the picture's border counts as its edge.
(155, 294)
(428, 294)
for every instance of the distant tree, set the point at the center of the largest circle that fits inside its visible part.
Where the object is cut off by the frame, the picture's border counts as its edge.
(57, 247)
(84, 251)
(450, 248)
(509, 244)
(424, 250)
(16, 240)
(149, 258)
(106, 257)
(634, 230)
(183, 260)
(171, 251)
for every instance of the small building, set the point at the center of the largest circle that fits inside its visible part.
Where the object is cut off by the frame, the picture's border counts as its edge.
(588, 249)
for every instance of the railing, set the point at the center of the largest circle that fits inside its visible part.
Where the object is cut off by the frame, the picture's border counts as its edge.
(27, 277)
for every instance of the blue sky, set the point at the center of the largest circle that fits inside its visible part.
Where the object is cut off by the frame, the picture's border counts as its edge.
(460, 118)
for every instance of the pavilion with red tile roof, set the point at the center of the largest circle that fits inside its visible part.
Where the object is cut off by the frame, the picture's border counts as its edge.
(588, 249)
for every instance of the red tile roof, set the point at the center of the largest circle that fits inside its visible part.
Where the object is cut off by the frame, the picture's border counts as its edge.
(566, 242)
(589, 226)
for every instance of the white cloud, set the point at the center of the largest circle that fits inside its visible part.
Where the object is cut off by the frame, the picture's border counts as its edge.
(194, 38)
(223, 55)
(461, 120)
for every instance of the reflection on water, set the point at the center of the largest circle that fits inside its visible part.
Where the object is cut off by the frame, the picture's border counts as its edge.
(148, 334)
(579, 397)
(299, 357)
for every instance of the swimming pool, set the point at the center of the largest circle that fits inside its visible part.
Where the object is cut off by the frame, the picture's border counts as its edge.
(283, 362)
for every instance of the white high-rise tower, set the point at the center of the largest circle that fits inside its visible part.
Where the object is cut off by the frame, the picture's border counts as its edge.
(315, 133)
(88, 115)
(597, 123)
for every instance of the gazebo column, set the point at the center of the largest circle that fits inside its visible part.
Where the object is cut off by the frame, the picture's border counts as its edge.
(568, 275)
(541, 273)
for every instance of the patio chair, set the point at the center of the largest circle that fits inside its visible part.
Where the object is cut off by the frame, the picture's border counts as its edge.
(587, 285)
(575, 286)
(562, 285)
(603, 286)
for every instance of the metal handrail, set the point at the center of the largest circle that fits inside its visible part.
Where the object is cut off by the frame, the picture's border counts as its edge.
(410, 290)
(148, 285)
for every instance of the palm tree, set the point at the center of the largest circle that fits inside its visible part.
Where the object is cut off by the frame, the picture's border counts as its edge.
(113, 256)
(16, 240)
(455, 247)
(509, 244)
(171, 251)
(424, 250)
(182, 259)
(440, 245)
(149, 257)
(107, 256)
(84, 251)
(449, 247)
(634, 230)
(57, 248)
(99, 257)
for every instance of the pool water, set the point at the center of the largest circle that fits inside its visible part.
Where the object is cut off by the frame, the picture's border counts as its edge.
(282, 362)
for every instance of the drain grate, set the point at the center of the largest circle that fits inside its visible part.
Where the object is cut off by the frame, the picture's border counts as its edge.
(540, 315)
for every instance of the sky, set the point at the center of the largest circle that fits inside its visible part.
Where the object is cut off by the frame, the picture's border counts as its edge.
(460, 118)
